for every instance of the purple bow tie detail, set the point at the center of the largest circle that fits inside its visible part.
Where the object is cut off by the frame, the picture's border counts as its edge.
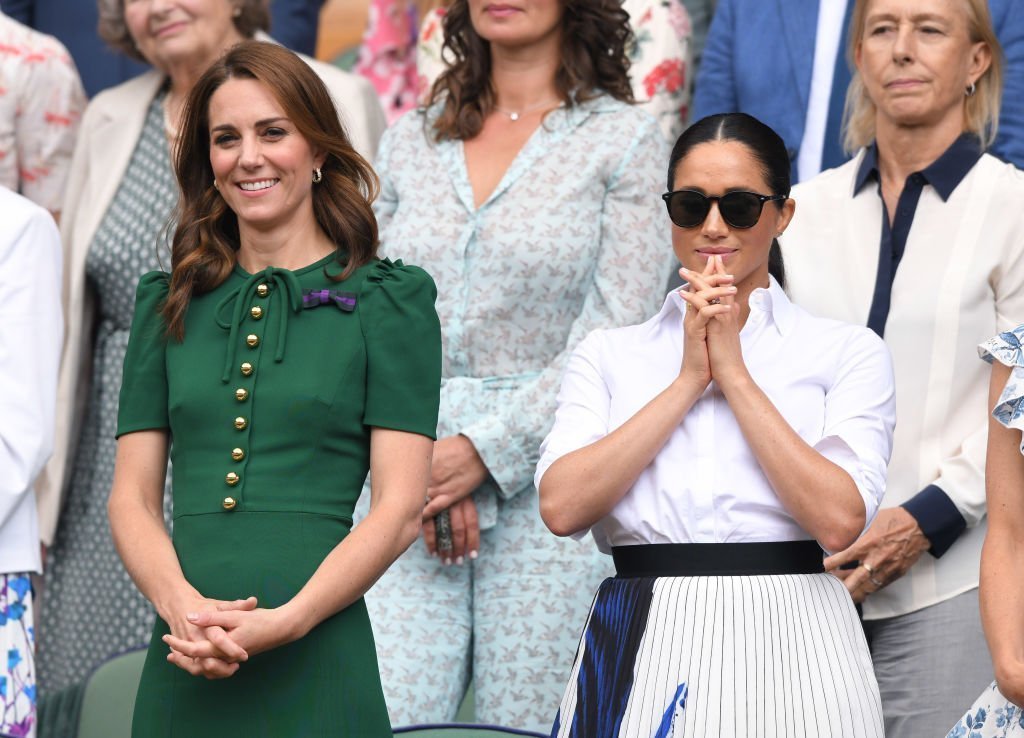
(344, 300)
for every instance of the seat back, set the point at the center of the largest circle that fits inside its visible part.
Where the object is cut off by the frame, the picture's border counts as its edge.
(462, 730)
(109, 698)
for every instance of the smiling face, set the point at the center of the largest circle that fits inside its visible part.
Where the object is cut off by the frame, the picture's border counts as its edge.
(916, 59)
(174, 32)
(262, 164)
(715, 168)
(517, 23)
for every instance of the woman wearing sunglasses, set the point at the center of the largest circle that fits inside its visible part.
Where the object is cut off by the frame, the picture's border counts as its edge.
(714, 451)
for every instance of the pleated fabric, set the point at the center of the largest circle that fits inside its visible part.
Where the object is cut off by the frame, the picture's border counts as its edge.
(780, 656)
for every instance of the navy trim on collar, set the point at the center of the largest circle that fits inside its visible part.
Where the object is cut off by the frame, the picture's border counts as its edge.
(944, 174)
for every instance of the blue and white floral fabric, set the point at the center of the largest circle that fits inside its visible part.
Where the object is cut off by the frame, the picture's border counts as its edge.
(991, 716)
(1008, 349)
(17, 664)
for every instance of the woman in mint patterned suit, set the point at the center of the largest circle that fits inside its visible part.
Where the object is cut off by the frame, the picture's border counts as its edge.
(999, 711)
(531, 197)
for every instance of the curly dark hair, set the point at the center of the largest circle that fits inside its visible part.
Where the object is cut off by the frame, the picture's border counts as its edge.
(596, 38)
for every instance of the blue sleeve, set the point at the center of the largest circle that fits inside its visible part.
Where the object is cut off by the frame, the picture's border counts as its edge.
(715, 91)
(22, 11)
(938, 518)
(1008, 19)
(293, 23)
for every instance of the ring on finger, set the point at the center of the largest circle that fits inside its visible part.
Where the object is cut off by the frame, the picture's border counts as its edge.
(870, 569)
(876, 582)
(715, 301)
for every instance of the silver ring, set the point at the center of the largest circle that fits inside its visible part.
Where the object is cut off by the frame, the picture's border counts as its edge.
(876, 582)
(714, 301)
(443, 531)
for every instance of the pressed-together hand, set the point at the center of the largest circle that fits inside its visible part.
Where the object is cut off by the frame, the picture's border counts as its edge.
(711, 325)
(892, 544)
(220, 655)
(253, 630)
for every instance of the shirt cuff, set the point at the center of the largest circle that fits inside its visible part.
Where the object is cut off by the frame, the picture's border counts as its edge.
(509, 470)
(938, 518)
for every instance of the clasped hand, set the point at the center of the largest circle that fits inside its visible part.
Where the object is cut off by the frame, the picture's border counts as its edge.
(711, 327)
(212, 638)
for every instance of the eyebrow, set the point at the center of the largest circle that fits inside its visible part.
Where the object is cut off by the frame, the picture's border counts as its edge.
(259, 124)
(916, 18)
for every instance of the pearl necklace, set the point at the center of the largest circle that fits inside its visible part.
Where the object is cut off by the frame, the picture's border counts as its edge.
(515, 115)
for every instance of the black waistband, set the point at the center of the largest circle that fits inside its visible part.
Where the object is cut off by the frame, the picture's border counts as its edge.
(718, 559)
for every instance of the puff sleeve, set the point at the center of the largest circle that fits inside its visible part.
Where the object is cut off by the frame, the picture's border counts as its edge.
(143, 400)
(402, 334)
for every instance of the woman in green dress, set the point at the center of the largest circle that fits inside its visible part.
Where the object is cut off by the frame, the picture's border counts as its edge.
(284, 360)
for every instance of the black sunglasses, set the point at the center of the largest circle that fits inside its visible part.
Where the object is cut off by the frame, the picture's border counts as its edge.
(689, 208)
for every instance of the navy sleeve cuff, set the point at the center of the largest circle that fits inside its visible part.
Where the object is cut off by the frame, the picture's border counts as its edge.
(938, 518)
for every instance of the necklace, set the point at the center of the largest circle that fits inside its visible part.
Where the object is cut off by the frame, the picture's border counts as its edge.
(170, 129)
(515, 115)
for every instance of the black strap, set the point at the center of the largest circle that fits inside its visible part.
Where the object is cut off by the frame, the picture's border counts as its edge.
(718, 559)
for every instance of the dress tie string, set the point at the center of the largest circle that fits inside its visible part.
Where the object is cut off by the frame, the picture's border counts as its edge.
(279, 280)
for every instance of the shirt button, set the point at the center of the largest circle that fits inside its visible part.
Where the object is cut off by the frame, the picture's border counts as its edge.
(229, 503)
(241, 394)
(256, 312)
(262, 290)
(240, 423)
(237, 454)
(246, 368)
(253, 340)
(231, 478)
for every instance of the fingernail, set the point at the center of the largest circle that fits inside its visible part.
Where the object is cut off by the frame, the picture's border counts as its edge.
(192, 616)
(473, 554)
(684, 269)
(459, 561)
(730, 289)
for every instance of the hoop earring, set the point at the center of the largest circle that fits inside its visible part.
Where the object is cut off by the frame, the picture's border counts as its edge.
(971, 88)
(236, 12)
(317, 175)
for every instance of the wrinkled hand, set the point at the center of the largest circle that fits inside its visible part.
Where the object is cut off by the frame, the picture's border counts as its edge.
(254, 630)
(700, 313)
(465, 533)
(456, 469)
(888, 549)
(221, 655)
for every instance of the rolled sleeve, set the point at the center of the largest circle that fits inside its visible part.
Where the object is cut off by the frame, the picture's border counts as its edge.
(860, 416)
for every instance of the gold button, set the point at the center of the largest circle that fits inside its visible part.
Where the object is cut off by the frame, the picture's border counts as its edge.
(241, 394)
(229, 503)
(253, 340)
(262, 290)
(240, 423)
(256, 312)
(246, 368)
(237, 454)
(231, 478)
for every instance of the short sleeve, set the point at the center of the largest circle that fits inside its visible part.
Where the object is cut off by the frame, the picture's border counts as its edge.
(403, 348)
(143, 402)
(1008, 349)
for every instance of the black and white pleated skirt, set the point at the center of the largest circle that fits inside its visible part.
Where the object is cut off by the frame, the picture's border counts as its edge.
(679, 645)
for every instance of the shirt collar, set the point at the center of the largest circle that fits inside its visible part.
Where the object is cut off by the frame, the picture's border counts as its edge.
(944, 174)
(771, 301)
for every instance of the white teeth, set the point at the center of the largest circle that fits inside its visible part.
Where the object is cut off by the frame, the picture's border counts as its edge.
(253, 186)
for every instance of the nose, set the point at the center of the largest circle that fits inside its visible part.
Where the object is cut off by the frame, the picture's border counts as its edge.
(159, 7)
(714, 226)
(251, 153)
(903, 44)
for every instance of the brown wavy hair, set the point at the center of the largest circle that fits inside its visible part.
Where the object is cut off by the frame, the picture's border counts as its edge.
(596, 39)
(203, 251)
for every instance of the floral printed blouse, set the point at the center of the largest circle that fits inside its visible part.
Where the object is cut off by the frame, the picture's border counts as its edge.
(573, 238)
(1008, 349)
(41, 101)
(659, 62)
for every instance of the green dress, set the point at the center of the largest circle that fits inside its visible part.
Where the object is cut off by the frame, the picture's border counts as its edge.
(269, 401)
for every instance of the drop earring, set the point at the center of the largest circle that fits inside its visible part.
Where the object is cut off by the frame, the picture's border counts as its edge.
(317, 175)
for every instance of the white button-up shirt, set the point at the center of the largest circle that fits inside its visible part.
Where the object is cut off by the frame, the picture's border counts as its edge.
(30, 341)
(832, 382)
